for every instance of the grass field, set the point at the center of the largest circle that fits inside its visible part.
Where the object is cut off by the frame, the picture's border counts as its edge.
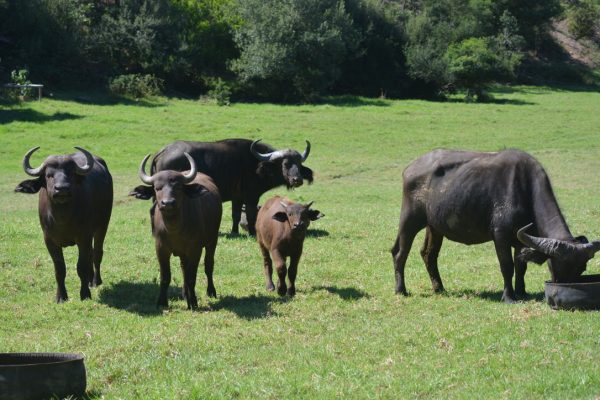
(345, 334)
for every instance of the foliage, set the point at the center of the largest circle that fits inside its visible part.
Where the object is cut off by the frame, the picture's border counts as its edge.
(136, 85)
(293, 49)
(221, 92)
(345, 335)
(584, 18)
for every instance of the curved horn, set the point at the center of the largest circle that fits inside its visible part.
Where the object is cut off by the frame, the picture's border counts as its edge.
(260, 156)
(309, 204)
(142, 172)
(306, 151)
(190, 176)
(592, 248)
(27, 167)
(89, 162)
(550, 247)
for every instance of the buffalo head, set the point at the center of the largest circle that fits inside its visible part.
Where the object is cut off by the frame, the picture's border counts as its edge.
(297, 215)
(169, 186)
(567, 260)
(58, 174)
(285, 164)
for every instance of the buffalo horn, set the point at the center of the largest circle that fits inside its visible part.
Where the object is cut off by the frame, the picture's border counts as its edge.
(260, 156)
(27, 167)
(87, 168)
(554, 248)
(142, 173)
(190, 176)
(306, 151)
(309, 204)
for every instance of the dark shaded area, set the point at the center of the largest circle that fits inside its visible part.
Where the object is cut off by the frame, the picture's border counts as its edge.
(316, 233)
(97, 98)
(249, 307)
(28, 115)
(513, 102)
(346, 293)
(489, 295)
(353, 101)
(137, 298)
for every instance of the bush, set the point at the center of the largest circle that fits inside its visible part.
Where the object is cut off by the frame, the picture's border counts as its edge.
(583, 18)
(135, 85)
(221, 92)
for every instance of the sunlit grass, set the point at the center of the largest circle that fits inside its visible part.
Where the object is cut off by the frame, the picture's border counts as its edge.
(345, 335)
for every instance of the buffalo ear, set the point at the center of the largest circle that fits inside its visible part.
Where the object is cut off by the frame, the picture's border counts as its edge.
(142, 192)
(315, 215)
(266, 169)
(530, 255)
(194, 190)
(307, 174)
(280, 216)
(30, 186)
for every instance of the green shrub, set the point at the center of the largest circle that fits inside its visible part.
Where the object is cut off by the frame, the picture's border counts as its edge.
(135, 85)
(220, 92)
(583, 18)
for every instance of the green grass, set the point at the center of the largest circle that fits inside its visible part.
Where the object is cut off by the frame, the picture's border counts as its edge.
(345, 334)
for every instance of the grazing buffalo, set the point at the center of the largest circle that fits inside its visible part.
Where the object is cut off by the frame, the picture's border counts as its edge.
(473, 198)
(75, 203)
(185, 219)
(242, 170)
(280, 229)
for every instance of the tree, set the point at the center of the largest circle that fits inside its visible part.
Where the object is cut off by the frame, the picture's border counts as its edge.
(292, 49)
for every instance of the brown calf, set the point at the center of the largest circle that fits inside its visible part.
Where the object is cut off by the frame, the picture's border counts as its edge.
(280, 229)
(185, 219)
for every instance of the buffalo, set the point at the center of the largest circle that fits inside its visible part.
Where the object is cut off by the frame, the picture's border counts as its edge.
(242, 170)
(75, 204)
(280, 230)
(472, 198)
(185, 220)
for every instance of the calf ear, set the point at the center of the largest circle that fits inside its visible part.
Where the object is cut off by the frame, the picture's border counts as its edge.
(142, 192)
(530, 255)
(280, 216)
(315, 215)
(307, 174)
(29, 186)
(194, 190)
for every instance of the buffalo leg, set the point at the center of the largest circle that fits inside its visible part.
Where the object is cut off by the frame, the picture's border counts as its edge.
(268, 266)
(281, 271)
(408, 229)
(503, 251)
(85, 269)
(430, 252)
(98, 254)
(209, 266)
(292, 272)
(236, 216)
(189, 266)
(60, 270)
(251, 212)
(164, 257)
(520, 269)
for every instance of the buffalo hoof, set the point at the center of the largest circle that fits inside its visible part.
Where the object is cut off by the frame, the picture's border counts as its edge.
(211, 292)
(162, 303)
(61, 299)
(508, 299)
(85, 294)
(403, 292)
(270, 287)
(96, 282)
(522, 295)
(282, 290)
(291, 292)
(193, 304)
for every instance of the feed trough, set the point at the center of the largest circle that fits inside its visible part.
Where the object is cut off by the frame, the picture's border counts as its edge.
(41, 375)
(583, 294)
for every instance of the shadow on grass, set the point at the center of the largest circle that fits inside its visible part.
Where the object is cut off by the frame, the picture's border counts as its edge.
(495, 296)
(28, 115)
(105, 99)
(137, 298)
(316, 233)
(494, 101)
(249, 307)
(346, 293)
(353, 101)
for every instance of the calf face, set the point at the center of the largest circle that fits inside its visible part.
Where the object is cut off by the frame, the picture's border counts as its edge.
(297, 216)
